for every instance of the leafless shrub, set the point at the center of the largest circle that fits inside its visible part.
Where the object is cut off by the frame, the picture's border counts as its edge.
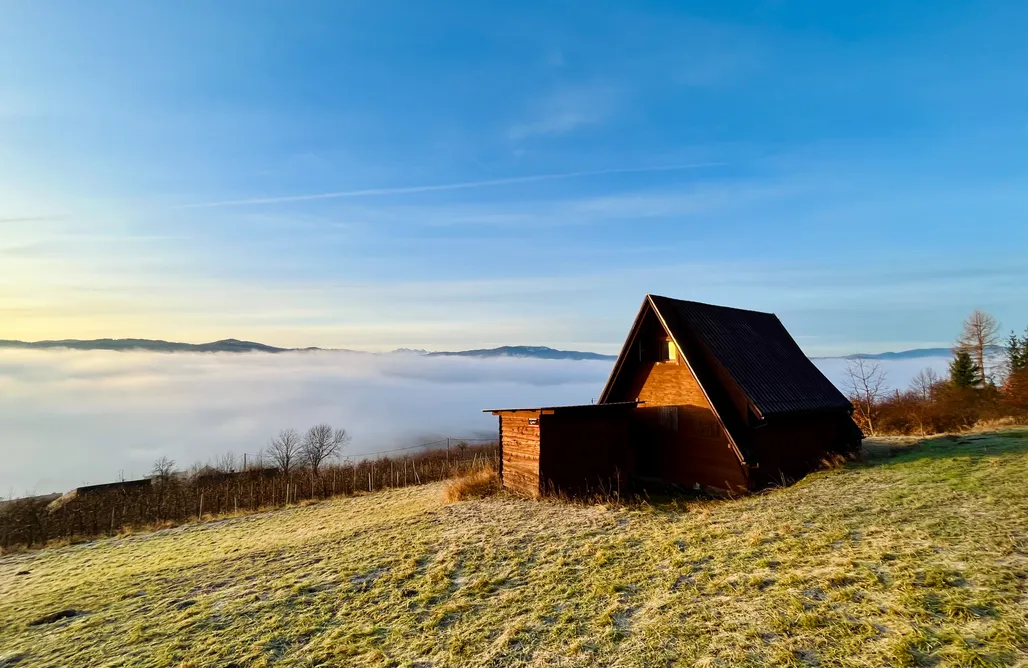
(925, 383)
(866, 382)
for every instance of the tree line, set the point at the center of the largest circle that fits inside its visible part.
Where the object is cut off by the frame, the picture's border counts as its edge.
(986, 381)
(288, 452)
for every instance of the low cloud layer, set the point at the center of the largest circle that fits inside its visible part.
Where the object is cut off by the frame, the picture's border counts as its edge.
(72, 417)
(83, 417)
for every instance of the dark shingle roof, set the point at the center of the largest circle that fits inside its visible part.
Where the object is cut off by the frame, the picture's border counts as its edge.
(757, 351)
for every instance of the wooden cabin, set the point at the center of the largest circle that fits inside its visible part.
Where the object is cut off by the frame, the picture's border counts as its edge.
(700, 396)
(570, 449)
(730, 400)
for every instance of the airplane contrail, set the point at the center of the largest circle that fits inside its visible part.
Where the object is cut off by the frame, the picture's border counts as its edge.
(373, 192)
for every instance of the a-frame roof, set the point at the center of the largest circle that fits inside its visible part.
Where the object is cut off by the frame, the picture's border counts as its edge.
(753, 348)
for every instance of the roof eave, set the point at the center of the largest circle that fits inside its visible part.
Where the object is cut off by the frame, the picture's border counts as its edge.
(626, 349)
(613, 405)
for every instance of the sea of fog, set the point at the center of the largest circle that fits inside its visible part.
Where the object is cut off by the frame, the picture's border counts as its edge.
(74, 417)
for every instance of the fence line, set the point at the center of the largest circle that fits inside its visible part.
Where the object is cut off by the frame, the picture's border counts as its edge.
(174, 499)
(364, 455)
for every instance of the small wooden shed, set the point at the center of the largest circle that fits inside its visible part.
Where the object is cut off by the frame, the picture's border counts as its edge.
(572, 449)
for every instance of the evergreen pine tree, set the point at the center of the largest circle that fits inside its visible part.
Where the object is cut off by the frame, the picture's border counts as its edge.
(1017, 352)
(963, 371)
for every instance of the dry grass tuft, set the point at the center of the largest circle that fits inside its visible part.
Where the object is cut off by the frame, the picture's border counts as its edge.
(835, 461)
(475, 485)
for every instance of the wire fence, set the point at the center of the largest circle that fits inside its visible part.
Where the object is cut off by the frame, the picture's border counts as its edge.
(99, 510)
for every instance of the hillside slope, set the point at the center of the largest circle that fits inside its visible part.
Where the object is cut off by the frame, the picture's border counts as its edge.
(918, 559)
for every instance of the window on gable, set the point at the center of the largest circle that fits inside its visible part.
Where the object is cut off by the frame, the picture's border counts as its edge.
(667, 351)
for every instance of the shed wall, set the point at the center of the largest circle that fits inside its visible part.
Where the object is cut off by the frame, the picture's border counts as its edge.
(586, 450)
(519, 447)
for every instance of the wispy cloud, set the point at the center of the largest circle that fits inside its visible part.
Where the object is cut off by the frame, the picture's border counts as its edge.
(557, 123)
(566, 110)
(463, 185)
(29, 219)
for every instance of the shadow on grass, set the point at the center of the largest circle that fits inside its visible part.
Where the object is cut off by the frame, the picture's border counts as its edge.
(663, 495)
(882, 452)
(877, 452)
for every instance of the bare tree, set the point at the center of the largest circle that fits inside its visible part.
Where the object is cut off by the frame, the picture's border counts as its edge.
(866, 382)
(925, 383)
(284, 451)
(162, 469)
(980, 331)
(322, 442)
(225, 463)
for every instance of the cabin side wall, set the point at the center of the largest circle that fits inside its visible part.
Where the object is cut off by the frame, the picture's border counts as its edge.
(793, 447)
(585, 451)
(519, 451)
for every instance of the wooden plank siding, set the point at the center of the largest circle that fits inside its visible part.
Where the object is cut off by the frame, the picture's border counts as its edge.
(668, 384)
(696, 450)
(519, 446)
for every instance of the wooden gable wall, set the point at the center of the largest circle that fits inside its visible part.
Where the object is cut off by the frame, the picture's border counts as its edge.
(681, 439)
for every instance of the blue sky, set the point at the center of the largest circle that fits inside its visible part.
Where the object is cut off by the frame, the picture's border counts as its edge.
(447, 175)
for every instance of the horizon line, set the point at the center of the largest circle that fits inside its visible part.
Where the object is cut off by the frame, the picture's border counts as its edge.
(418, 350)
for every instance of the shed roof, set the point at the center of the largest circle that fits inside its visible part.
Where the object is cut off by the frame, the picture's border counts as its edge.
(754, 349)
(613, 404)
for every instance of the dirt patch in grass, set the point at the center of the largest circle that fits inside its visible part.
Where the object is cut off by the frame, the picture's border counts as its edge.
(56, 617)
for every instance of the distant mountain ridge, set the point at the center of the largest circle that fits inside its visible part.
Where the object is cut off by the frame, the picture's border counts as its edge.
(537, 352)
(533, 352)
(153, 345)
(916, 353)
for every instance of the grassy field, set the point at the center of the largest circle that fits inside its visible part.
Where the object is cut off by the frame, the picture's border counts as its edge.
(920, 558)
